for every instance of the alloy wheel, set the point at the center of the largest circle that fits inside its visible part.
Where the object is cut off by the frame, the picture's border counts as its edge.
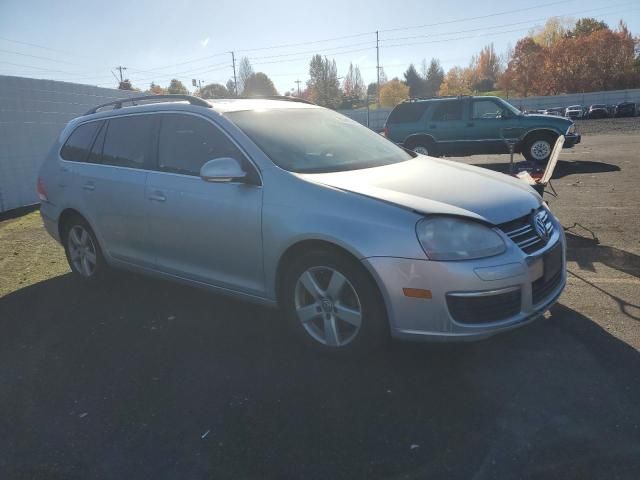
(328, 307)
(82, 251)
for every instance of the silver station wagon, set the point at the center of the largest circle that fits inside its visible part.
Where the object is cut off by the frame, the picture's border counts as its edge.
(288, 204)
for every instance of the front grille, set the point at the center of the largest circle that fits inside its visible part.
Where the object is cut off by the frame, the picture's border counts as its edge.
(552, 267)
(484, 308)
(523, 234)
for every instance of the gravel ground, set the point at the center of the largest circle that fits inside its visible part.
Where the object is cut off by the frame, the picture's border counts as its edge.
(147, 379)
(609, 126)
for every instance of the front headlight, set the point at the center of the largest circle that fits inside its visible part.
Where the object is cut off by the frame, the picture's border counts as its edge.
(572, 129)
(451, 238)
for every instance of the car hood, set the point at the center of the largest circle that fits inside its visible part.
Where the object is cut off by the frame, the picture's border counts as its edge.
(429, 185)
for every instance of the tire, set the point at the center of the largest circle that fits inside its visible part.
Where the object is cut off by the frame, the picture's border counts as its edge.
(538, 147)
(83, 251)
(325, 318)
(422, 146)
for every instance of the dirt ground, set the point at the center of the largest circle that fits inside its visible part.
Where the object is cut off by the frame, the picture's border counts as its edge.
(146, 379)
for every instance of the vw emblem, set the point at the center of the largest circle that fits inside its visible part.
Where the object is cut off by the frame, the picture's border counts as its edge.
(540, 227)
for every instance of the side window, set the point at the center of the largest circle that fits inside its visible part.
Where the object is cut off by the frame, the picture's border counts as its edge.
(447, 111)
(485, 109)
(188, 142)
(77, 146)
(407, 112)
(129, 140)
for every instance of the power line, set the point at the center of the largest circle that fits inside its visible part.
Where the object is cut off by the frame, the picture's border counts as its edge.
(510, 24)
(467, 19)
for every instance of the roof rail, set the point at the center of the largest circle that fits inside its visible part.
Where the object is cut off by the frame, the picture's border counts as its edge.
(279, 97)
(151, 99)
(418, 99)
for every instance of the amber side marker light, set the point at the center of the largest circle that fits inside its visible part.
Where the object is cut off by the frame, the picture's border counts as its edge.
(416, 293)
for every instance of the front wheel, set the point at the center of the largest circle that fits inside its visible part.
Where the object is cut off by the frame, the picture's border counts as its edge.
(333, 304)
(538, 148)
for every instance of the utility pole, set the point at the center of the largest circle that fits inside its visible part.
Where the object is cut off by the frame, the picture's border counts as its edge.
(377, 70)
(121, 69)
(235, 81)
(298, 82)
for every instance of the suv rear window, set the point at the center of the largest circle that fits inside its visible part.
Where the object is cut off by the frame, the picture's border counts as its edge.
(77, 146)
(407, 112)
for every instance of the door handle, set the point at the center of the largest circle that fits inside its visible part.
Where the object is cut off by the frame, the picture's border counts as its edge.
(157, 197)
(432, 126)
(89, 186)
(470, 124)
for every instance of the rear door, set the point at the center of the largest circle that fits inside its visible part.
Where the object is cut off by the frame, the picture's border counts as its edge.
(113, 183)
(447, 125)
(207, 232)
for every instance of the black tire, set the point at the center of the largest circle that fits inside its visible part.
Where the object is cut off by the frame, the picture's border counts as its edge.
(424, 146)
(374, 328)
(100, 270)
(536, 142)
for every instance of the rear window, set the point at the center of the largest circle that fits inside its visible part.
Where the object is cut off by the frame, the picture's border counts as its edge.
(407, 112)
(76, 148)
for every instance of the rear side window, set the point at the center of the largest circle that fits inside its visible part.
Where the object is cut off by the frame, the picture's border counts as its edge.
(77, 146)
(129, 141)
(188, 142)
(447, 111)
(407, 112)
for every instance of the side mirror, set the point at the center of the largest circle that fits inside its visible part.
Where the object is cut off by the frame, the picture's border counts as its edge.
(223, 169)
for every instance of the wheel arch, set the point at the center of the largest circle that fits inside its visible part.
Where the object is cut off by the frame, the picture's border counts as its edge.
(535, 131)
(71, 212)
(416, 137)
(301, 246)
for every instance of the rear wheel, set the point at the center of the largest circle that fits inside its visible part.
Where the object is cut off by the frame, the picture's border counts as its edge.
(83, 252)
(333, 305)
(538, 147)
(423, 146)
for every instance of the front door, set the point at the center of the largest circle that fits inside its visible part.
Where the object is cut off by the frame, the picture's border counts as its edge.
(206, 232)
(488, 126)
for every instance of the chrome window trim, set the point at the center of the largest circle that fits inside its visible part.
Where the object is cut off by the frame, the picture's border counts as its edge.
(156, 170)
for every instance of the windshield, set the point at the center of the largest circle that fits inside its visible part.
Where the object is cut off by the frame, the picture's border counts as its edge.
(314, 140)
(509, 107)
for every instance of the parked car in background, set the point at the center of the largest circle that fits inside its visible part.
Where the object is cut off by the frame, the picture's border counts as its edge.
(282, 202)
(625, 109)
(556, 111)
(598, 110)
(466, 125)
(574, 112)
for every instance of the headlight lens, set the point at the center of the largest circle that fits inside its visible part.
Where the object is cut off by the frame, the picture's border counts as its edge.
(449, 238)
(571, 129)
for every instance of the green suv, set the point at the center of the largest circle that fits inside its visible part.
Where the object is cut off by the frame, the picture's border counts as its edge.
(458, 126)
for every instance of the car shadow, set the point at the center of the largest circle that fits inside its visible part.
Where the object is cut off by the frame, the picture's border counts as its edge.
(563, 167)
(586, 251)
(146, 379)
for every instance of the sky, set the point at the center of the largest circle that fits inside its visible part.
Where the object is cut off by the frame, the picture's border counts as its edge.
(83, 41)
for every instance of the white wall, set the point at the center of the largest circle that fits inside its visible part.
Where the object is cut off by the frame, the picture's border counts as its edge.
(32, 114)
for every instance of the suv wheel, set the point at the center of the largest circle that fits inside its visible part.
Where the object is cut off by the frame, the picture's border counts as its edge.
(422, 146)
(82, 251)
(538, 147)
(333, 305)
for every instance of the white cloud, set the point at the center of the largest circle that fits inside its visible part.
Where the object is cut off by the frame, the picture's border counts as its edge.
(204, 42)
